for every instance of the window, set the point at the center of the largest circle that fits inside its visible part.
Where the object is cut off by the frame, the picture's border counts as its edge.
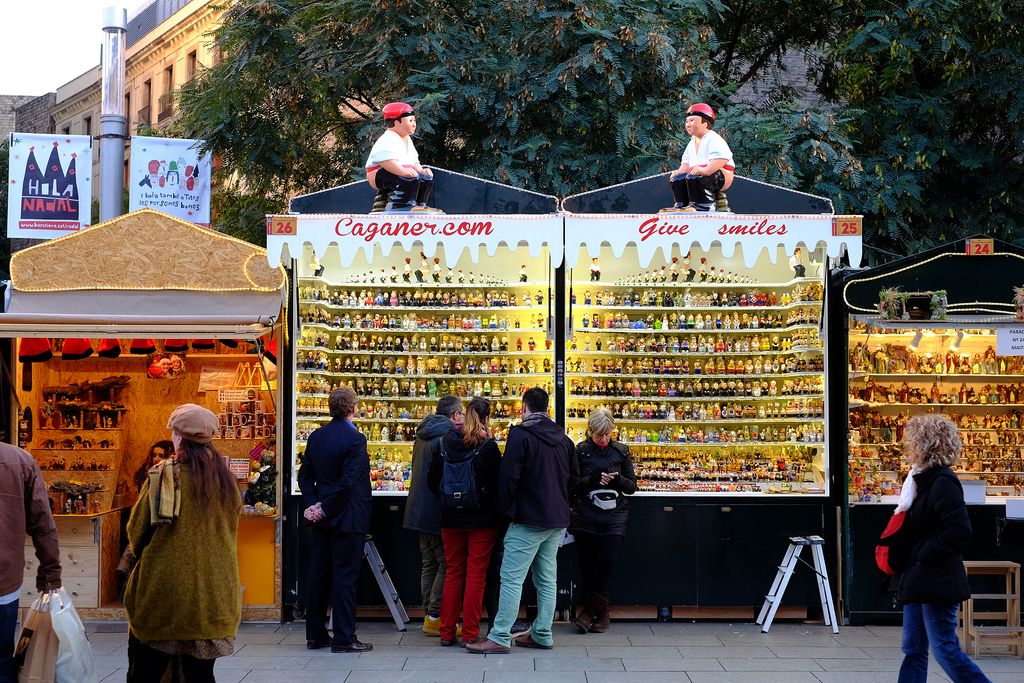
(66, 130)
(145, 112)
(190, 65)
(128, 109)
(169, 79)
(87, 124)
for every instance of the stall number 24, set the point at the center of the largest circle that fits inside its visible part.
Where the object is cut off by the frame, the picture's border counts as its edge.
(980, 247)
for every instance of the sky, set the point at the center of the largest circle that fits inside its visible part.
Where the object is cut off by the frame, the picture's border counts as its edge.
(49, 42)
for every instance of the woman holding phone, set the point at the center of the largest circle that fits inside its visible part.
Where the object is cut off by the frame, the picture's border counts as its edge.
(599, 514)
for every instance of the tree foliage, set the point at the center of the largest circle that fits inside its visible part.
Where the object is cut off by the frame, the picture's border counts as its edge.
(909, 113)
(938, 86)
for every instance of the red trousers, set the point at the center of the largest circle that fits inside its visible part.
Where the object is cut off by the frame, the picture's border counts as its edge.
(467, 552)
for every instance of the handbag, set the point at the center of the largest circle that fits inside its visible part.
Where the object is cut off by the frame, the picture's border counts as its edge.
(74, 653)
(892, 554)
(604, 499)
(36, 651)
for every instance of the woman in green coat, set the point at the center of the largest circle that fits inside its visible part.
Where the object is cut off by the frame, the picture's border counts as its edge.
(182, 596)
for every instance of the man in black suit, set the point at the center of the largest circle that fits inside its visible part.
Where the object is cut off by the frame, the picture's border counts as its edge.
(335, 483)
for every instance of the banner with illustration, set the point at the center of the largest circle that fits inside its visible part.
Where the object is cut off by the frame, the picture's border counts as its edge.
(171, 176)
(49, 181)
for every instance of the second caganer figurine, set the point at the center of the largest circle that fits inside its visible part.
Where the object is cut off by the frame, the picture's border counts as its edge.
(706, 167)
(393, 167)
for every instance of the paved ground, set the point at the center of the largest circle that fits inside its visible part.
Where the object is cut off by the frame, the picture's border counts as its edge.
(640, 652)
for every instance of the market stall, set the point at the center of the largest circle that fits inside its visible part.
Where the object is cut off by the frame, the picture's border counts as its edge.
(703, 334)
(406, 308)
(929, 333)
(115, 326)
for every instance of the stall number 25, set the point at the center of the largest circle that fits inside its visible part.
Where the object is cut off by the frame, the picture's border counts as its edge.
(980, 247)
(281, 225)
(846, 226)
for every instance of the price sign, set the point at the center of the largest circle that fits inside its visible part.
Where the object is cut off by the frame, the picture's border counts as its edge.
(282, 225)
(981, 247)
(848, 226)
(1010, 341)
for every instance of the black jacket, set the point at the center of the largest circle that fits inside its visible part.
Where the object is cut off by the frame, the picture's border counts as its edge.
(422, 509)
(592, 460)
(485, 468)
(537, 474)
(939, 530)
(335, 472)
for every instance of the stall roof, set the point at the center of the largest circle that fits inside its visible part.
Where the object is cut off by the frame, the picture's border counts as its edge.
(477, 212)
(977, 273)
(145, 273)
(767, 217)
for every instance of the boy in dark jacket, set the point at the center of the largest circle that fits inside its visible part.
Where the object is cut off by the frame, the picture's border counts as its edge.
(536, 476)
(423, 512)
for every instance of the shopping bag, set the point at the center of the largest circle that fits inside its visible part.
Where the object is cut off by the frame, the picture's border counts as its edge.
(36, 652)
(892, 554)
(74, 653)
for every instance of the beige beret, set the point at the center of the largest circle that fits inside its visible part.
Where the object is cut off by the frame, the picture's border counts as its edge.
(193, 422)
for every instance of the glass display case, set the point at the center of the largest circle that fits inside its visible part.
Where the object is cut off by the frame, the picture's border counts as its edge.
(404, 329)
(897, 370)
(714, 371)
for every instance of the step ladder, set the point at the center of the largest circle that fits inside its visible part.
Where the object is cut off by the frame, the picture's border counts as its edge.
(782, 577)
(387, 586)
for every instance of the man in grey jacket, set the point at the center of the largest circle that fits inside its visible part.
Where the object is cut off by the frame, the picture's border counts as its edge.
(24, 509)
(423, 509)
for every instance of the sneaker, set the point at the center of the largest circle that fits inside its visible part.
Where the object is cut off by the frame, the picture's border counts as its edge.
(688, 209)
(521, 627)
(431, 625)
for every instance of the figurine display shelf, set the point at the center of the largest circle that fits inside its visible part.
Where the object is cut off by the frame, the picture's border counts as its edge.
(402, 344)
(953, 371)
(715, 376)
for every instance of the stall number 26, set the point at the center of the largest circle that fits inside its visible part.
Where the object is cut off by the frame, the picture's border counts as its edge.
(281, 225)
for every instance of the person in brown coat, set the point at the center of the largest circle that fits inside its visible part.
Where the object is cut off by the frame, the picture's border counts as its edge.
(24, 509)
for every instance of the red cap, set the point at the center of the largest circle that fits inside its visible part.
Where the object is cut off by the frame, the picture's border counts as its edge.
(396, 110)
(701, 109)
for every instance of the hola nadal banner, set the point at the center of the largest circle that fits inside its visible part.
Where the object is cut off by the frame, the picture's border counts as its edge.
(171, 176)
(49, 181)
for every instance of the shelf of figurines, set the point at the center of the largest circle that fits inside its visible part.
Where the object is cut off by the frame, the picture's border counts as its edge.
(971, 324)
(311, 342)
(656, 327)
(801, 341)
(503, 325)
(390, 280)
(657, 282)
(756, 473)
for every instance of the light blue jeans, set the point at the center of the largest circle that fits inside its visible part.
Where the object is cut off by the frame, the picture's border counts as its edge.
(526, 547)
(934, 625)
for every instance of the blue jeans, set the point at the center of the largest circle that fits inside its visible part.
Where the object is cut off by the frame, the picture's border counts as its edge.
(935, 624)
(526, 547)
(8, 621)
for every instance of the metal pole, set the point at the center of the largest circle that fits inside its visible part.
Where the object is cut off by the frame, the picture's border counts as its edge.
(113, 121)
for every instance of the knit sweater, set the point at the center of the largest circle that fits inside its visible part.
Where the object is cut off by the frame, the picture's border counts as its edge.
(186, 584)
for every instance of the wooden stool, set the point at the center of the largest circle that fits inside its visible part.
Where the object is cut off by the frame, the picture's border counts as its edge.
(1009, 632)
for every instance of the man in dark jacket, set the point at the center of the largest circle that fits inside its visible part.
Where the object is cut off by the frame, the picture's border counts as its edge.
(24, 509)
(423, 511)
(335, 483)
(537, 473)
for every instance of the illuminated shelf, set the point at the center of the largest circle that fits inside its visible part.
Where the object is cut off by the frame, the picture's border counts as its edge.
(421, 330)
(695, 285)
(731, 420)
(691, 353)
(424, 285)
(711, 330)
(409, 309)
(699, 309)
(380, 375)
(717, 399)
(417, 352)
(771, 375)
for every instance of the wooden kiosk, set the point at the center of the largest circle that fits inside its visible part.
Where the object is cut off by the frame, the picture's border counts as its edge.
(115, 326)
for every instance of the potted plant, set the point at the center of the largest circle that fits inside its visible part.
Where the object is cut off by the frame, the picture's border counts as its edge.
(890, 303)
(1018, 302)
(939, 303)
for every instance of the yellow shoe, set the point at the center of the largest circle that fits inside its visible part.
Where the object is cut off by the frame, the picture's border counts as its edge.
(431, 625)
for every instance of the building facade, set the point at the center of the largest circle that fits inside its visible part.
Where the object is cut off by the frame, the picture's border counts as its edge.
(167, 46)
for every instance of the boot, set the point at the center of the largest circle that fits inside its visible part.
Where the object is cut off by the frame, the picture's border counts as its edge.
(602, 616)
(584, 617)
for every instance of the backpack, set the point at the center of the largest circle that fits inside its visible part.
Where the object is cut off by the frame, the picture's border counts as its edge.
(892, 554)
(458, 481)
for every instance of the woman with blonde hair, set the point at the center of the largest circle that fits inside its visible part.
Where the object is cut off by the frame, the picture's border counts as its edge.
(464, 474)
(938, 529)
(600, 511)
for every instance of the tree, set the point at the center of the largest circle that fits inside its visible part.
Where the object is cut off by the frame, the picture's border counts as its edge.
(5, 242)
(555, 96)
(937, 94)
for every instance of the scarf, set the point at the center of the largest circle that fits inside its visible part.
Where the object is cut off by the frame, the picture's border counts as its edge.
(909, 491)
(164, 492)
(534, 417)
